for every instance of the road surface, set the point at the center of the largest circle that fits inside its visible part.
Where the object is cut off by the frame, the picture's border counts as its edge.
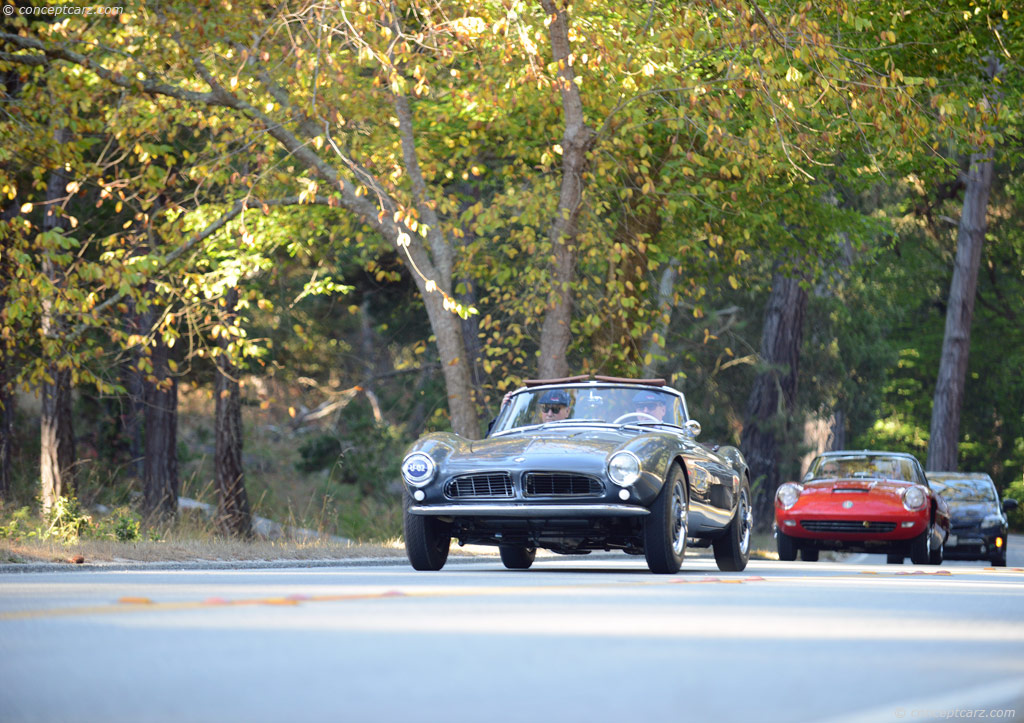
(573, 639)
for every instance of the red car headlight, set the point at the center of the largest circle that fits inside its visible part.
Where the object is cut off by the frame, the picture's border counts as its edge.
(914, 498)
(788, 494)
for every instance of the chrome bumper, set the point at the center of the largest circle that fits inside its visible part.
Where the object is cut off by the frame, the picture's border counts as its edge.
(517, 510)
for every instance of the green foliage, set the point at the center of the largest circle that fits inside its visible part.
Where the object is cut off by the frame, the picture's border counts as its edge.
(17, 524)
(1015, 490)
(122, 525)
(67, 523)
(320, 452)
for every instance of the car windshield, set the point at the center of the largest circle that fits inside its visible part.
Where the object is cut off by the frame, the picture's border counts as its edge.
(625, 404)
(861, 467)
(965, 490)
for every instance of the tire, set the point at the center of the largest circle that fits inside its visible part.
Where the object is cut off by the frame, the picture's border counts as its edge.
(732, 550)
(786, 546)
(921, 548)
(427, 540)
(937, 555)
(666, 527)
(517, 557)
(999, 561)
(809, 554)
(894, 558)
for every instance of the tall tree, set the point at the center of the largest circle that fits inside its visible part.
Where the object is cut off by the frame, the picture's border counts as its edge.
(944, 441)
(161, 483)
(773, 396)
(57, 443)
(556, 330)
(233, 514)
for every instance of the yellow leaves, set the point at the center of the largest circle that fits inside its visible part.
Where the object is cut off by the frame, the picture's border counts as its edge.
(26, 208)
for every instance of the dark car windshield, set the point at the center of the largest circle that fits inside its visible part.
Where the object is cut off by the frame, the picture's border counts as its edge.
(966, 490)
(861, 467)
(626, 404)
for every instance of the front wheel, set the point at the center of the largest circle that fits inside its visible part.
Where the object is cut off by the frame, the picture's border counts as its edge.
(921, 548)
(937, 554)
(732, 550)
(809, 554)
(427, 540)
(517, 557)
(665, 528)
(786, 545)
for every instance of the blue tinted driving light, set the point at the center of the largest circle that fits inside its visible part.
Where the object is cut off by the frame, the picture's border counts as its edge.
(418, 469)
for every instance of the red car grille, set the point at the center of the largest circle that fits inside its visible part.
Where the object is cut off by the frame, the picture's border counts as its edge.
(560, 484)
(865, 526)
(480, 485)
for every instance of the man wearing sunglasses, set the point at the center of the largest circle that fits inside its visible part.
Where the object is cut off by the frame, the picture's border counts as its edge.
(554, 405)
(650, 403)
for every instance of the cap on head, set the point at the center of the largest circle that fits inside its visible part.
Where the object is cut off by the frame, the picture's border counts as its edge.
(648, 398)
(555, 396)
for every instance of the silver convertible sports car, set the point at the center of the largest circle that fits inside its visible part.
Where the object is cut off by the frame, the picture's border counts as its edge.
(576, 465)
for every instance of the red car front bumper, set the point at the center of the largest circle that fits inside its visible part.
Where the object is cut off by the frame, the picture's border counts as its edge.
(850, 521)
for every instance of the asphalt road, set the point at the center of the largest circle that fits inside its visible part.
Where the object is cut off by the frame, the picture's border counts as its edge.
(573, 639)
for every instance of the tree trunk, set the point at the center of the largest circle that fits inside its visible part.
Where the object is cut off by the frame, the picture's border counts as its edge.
(773, 396)
(161, 484)
(666, 292)
(233, 515)
(6, 428)
(556, 332)
(132, 417)
(956, 343)
(6, 385)
(57, 441)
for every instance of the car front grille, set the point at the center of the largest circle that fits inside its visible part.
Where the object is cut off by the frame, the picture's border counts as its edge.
(493, 485)
(560, 484)
(865, 526)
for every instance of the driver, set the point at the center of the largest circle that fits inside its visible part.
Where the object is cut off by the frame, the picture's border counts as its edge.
(554, 405)
(650, 403)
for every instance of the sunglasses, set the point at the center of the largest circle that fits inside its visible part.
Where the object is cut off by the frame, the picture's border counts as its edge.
(649, 405)
(551, 408)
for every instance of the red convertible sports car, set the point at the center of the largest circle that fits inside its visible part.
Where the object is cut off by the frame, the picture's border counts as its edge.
(876, 502)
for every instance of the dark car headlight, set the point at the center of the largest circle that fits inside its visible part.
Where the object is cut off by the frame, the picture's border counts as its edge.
(992, 521)
(623, 468)
(418, 469)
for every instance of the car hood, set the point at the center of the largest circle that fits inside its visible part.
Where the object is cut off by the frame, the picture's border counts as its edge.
(857, 486)
(551, 442)
(969, 511)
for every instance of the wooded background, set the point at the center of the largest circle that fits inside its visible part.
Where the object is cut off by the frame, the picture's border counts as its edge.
(353, 222)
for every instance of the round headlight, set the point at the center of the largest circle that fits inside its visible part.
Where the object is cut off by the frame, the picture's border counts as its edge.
(914, 498)
(418, 469)
(788, 494)
(624, 468)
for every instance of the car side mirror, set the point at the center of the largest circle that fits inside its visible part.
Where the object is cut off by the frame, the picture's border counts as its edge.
(1009, 504)
(693, 427)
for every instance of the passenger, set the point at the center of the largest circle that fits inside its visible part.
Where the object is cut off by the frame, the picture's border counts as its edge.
(554, 405)
(650, 403)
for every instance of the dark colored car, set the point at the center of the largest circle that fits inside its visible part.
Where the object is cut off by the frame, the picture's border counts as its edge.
(877, 502)
(978, 526)
(577, 465)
